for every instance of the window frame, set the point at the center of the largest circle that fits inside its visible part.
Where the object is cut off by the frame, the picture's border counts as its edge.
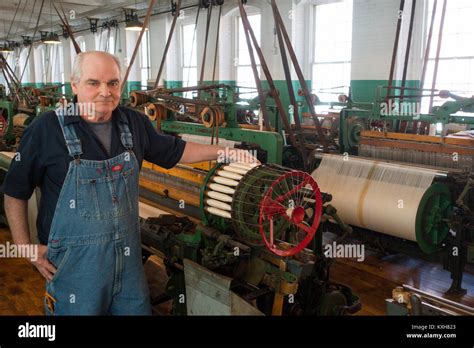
(315, 63)
(237, 58)
(185, 65)
(453, 59)
(145, 62)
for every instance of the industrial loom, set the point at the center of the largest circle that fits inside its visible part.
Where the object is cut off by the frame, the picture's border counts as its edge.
(397, 206)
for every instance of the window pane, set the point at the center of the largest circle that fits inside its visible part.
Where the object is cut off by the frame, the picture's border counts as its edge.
(455, 75)
(189, 46)
(456, 70)
(457, 30)
(189, 57)
(330, 76)
(111, 46)
(144, 78)
(332, 53)
(242, 50)
(336, 18)
(144, 60)
(244, 73)
(245, 78)
(144, 51)
(189, 79)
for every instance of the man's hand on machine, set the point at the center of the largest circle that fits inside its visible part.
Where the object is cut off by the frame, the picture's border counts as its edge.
(194, 153)
(240, 156)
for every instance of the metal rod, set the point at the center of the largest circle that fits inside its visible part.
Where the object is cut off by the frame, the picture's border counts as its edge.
(268, 75)
(258, 82)
(31, 46)
(299, 73)
(428, 46)
(408, 49)
(168, 43)
(410, 88)
(137, 45)
(412, 96)
(444, 301)
(438, 51)
(203, 66)
(185, 100)
(68, 28)
(184, 89)
(395, 44)
(13, 80)
(217, 45)
(291, 92)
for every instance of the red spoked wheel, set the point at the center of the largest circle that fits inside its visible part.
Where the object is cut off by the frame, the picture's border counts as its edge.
(296, 198)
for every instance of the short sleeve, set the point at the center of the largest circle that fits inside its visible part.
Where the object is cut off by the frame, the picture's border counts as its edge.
(163, 150)
(25, 170)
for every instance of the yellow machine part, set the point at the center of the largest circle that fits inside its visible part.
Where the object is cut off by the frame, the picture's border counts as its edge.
(183, 172)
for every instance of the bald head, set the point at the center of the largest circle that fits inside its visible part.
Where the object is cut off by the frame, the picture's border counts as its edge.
(92, 57)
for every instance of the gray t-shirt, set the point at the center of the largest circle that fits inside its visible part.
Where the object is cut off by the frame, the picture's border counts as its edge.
(103, 131)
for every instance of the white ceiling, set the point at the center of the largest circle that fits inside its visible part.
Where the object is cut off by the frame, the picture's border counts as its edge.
(28, 10)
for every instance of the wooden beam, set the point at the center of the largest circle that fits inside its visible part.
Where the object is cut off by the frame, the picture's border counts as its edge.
(462, 141)
(418, 146)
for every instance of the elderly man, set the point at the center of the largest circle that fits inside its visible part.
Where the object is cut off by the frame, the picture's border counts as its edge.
(87, 167)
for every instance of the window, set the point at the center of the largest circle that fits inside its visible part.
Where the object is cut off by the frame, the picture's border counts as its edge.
(38, 53)
(52, 57)
(111, 45)
(11, 62)
(45, 58)
(244, 72)
(56, 63)
(82, 45)
(105, 40)
(189, 57)
(145, 60)
(332, 53)
(24, 65)
(456, 63)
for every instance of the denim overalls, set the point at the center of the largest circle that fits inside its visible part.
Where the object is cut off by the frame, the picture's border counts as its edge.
(94, 240)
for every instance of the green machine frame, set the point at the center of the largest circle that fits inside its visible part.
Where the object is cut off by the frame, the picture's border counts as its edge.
(8, 133)
(349, 132)
(226, 98)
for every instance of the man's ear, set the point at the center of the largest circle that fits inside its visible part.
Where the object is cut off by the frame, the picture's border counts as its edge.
(74, 87)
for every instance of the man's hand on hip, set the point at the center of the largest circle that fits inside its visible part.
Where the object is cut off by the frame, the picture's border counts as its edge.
(42, 263)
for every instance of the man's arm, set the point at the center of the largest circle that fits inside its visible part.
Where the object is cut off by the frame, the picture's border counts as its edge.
(17, 215)
(195, 152)
(166, 151)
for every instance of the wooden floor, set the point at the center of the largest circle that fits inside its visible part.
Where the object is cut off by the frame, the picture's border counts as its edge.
(374, 279)
(22, 287)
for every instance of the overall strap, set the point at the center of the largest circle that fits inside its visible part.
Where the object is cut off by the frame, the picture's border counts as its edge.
(72, 141)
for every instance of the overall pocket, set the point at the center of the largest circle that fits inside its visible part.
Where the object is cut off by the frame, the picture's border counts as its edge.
(105, 198)
(58, 256)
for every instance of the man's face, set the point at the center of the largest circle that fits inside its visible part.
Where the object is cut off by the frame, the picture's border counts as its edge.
(99, 84)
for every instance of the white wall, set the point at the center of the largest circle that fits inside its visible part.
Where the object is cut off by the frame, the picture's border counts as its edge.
(374, 23)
